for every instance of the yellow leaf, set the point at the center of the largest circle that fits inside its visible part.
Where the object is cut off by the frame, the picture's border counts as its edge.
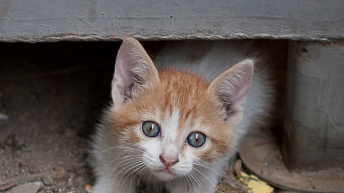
(255, 184)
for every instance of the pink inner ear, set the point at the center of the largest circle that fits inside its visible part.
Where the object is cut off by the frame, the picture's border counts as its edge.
(241, 78)
(123, 71)
(241, 90)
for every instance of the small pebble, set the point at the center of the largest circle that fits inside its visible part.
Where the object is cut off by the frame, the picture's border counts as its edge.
(32, 171)
(32, 187)
(58, 190)
(3, 117)
(69, 182)
(48, 181)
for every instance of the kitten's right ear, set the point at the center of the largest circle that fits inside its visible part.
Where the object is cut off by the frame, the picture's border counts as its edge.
(134, 71)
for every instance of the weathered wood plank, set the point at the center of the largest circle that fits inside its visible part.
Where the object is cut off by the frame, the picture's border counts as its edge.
(51, 20)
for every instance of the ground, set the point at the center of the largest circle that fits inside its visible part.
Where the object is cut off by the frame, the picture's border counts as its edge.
(51, 95)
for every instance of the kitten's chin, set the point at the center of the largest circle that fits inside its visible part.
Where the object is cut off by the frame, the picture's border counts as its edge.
(164, 175)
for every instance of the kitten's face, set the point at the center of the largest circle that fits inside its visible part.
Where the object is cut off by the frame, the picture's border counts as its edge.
(176, 126)
(173, 124)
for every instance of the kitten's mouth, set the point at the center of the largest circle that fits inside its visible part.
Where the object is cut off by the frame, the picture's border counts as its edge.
(166, 170)
(165, 174)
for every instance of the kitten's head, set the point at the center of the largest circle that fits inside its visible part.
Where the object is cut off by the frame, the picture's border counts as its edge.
(174, 122)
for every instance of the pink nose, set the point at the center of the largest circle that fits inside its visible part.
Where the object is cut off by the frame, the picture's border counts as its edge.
(168, 162)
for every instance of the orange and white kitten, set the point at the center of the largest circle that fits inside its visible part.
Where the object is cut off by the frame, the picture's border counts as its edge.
(171, 127)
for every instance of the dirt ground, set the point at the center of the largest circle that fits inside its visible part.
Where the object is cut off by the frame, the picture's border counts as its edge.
(50, 98)
(51, 95)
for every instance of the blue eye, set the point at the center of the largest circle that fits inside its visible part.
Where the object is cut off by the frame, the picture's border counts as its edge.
(196, 139)
(150, 129)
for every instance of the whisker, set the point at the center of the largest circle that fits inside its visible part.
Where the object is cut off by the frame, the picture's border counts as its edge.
(122, 147)
(121, 162)
(208, 167)
(140, 168)
(131, 164)
(192, 173)
(137, 164)
(186, 186)
(127, 156)
(191, 181)
(141, 175)
(203, 175)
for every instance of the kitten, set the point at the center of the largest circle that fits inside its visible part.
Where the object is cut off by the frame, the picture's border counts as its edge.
(171, 127)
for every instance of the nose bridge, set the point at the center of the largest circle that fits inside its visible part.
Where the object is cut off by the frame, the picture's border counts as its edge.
(170, 134)
(170, 148)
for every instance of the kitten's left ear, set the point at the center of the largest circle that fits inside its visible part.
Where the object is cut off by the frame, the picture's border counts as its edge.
(230, 89)
(134, 71)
